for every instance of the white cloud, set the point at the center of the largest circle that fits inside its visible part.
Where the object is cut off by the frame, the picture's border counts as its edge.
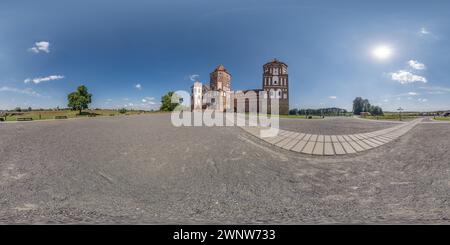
(194, 77)
(416, 65)
(42, 46)
(333, 97)
(148, 101)
(405, 77)
(424, 31)
(26, 91)
(436, 90)
(422, 100)
(406, 94)
(38, 80)
(138, 86)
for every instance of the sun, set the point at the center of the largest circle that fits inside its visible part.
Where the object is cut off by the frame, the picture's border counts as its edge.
(382, 52)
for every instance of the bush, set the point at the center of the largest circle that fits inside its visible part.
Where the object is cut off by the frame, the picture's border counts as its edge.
(122, 111)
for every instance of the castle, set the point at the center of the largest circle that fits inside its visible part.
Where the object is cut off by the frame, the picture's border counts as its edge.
(275, 85)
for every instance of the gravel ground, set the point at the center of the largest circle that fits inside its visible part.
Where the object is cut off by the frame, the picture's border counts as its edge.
(140, 169)
(334, 126)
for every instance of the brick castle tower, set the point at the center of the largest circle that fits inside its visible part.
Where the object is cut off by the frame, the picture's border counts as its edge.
(276, 83)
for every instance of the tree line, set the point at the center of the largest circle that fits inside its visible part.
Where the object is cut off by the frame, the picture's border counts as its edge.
(333, 111)
(363, 105)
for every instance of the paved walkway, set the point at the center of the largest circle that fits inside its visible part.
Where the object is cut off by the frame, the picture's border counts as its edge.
(330, 145)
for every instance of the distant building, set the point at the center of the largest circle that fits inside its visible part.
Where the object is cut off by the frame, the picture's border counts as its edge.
(218, 95)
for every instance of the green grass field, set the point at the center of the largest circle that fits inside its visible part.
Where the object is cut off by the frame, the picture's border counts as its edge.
(300, 117)
(393, 116)
(50, 114)
(287, 116)
(442, 118)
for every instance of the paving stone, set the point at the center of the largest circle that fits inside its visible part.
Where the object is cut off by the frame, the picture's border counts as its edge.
(347, 138)
(321, 138)
(334, 138)
(370, 143)
(338, 148)
(293, 136)
(353, 137)
(284, 132)
(291, 144)
(370, 135)
(307, 137)
(384, 138)
(356, 146)
(300, 136)
(318, 148)
(299, 146)
(334, 144)
(309, 147)
(341, 139)
(275, 140)
(348, 148)
(283, 142)
(364, 145)
(377, 141)
(359, 136)
(378, 138)
(328, 149)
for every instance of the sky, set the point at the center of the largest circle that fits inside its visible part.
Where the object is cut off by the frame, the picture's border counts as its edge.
(130, 53)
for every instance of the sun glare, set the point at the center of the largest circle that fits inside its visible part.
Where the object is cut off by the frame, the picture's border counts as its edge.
(382, 52)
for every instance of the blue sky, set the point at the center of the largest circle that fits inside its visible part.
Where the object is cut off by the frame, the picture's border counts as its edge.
(48, 48)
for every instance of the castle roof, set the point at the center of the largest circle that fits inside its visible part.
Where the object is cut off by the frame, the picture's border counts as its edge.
(221, 68)
(275, 62)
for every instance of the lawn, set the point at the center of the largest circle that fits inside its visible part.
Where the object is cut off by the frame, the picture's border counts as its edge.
(393, 116)
(442, 118)
(300, 116)
(285, 116)
(50, 114)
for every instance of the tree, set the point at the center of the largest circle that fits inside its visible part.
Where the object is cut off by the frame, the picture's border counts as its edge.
(166, 102)
(293, 112)
(376, 111)
(366, 105)
(122, 111)
(358, 105)
(79, 99)
(18, 109)
(363, 105)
